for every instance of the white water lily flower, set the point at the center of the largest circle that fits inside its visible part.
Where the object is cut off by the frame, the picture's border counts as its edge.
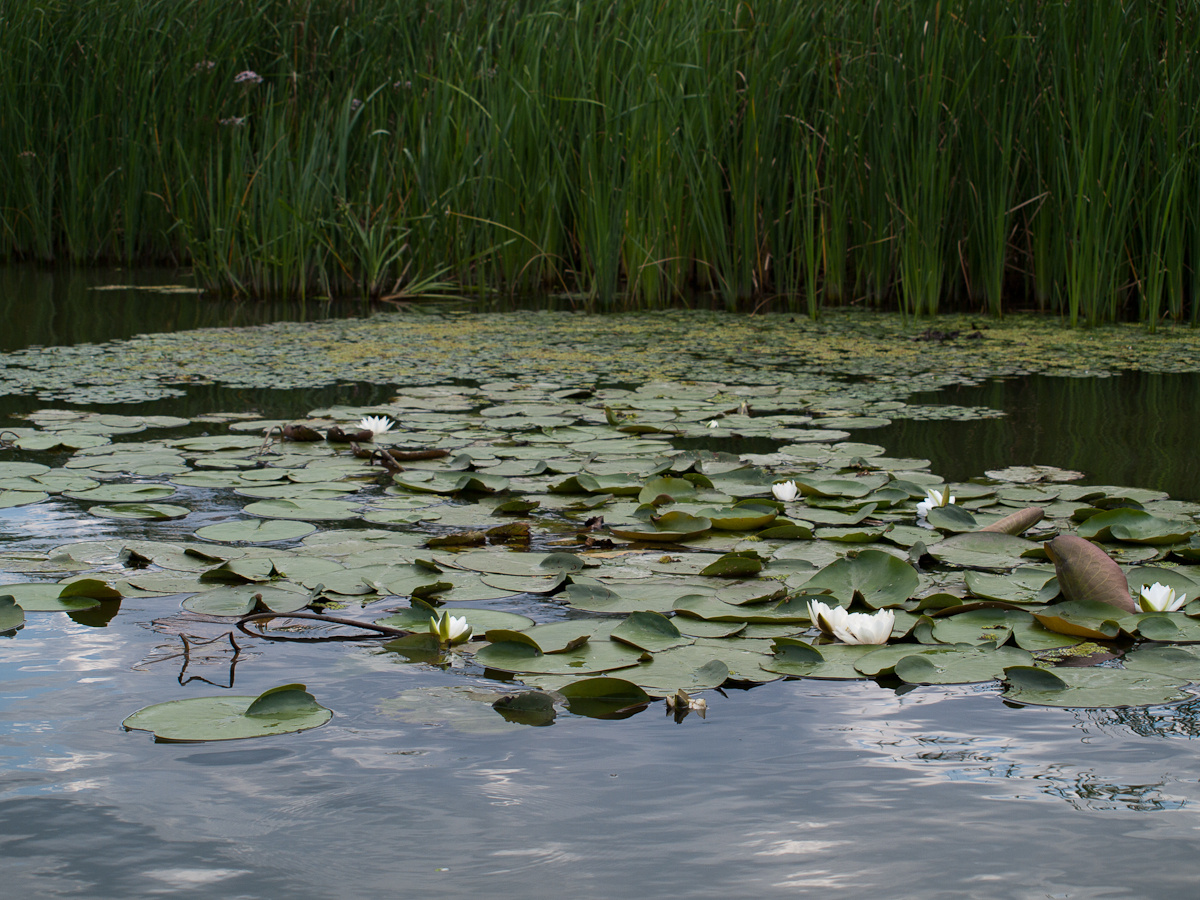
(450, 629)
(712, 424)
(933, 498)
(376, 424)
(866, 628)
(785, 491)
(828, 618)
(1160, 598)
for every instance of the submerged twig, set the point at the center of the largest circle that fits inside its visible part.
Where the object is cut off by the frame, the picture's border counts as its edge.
(382, 630)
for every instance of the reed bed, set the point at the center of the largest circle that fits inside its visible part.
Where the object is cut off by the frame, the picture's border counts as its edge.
(926, 155)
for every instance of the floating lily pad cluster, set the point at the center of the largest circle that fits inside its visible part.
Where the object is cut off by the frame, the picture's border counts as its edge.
(640, 570)
(440, 344)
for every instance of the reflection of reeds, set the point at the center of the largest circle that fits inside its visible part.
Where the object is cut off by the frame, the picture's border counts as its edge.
(971, 154)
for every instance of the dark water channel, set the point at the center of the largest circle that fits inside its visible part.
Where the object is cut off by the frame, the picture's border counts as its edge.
(1135, 429)
(796, 788)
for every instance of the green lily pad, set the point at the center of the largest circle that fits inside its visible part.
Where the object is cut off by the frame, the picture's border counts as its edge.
(670, 527)
(256, 531)
(1134, 526)
(280, 710)
(979, 626)
(1093, 619)
(149, 511)
(314, 510)
(238, 600)
(10, 499)
(1091, 688)
(428, 482)
(852, 535)
(604, 698)
(743, 517)
(710, 608)
(676, 489)
(526, 708)
(689, 669)
(953, 519)
(959, 664)
(1166, 627)
(739, 564)
(123, 493)
(592, 658)
(650, 631)
(1024, 584)
(525, 584)
(521, 564)
(828, 661)
(982, 550)
(12, 616)
(873, 576)
(645, 595)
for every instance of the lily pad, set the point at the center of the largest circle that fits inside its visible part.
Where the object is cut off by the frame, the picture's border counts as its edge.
(314, 510)
(9, 499)
(256, 531)
(592, 658)
(238, 600)
(146, 511)
(959, 664)
(1135, 526)
(690, 669)
(989, 551)
(604, 698)
(650, 631)
(671, 527)
(12, 616)
(280, 710)
(1092, 619)
(874, 577)
(1091, 687)
(828, 661)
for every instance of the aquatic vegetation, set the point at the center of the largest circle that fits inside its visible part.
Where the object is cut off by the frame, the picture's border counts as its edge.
(973, 155)
(1159, 598)
(449, 629)
(646, 570)
(377, 425)
(934, 499)
(785, 491)
(577, 350)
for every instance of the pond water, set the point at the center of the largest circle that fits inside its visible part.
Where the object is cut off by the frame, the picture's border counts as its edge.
(41, 307)
(803, 787)
(1138, 428)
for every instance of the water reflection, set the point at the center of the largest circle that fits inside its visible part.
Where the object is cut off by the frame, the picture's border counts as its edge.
(53, 307)
(1135, 429)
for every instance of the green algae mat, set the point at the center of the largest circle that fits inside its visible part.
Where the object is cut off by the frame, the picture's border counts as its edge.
(435, 345)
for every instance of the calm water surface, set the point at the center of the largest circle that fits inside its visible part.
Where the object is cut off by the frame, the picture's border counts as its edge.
(798, 788)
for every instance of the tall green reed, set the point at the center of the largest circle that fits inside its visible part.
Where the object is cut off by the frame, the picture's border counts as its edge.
(974, 154)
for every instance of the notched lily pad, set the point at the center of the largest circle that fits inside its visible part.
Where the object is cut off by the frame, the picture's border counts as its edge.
(12, 616)
(1091, 688)
(671, 527)
(280, 710)
(605, 698)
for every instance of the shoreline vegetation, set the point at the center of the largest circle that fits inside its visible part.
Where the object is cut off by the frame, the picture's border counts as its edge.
(974, 156)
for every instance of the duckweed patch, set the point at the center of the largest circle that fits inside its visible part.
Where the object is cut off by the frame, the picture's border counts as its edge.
(887, 356)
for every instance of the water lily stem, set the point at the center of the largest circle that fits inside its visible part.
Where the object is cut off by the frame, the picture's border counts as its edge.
(333, 620)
